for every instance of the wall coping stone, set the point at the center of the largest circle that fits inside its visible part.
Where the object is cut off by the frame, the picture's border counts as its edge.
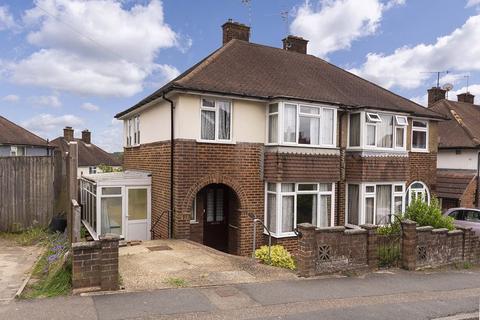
(408, 221)
(463, 228)
(440, 230)
(331, 229)
(308, 226)
(369, 226)
(424, 229)
(454, 232)
(85, 245)
(355, 231)
(110, 237)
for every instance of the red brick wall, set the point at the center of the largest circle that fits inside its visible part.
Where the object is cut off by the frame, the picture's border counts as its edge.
(382, 168)
(423, 167)
(469, 196)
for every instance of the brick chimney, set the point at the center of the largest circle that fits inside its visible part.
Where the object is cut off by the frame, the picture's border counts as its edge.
(68, 133)
(466, 97)
(86, 136)
(235, 30)
(294, 43)
(435, 94)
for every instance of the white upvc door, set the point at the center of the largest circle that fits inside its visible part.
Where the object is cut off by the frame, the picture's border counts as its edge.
(138, 213)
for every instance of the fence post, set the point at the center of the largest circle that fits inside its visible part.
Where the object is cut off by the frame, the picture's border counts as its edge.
(409, 244)
(76, 211)
(372, 245)
(306, 250)
(72, 184)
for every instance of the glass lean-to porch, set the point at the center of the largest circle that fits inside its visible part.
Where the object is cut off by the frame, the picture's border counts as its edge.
(118, 203)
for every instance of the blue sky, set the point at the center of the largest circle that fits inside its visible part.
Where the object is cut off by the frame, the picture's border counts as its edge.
(71, 62)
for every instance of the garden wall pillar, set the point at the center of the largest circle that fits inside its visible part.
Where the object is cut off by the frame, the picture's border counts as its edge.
(306, 250)
(409, 244)
(372, 245)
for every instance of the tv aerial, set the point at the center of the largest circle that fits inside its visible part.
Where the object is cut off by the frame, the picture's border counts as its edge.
(447, 87)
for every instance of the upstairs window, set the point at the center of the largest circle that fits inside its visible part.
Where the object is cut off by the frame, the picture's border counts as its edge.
(132, 128)
(18, 151)
(419, 135)
(301, 124)
(216, 119)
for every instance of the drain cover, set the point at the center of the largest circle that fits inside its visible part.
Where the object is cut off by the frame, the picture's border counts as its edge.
(159, 248)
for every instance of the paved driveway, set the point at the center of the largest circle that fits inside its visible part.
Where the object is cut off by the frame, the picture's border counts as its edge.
(15, 264)
(162, 264)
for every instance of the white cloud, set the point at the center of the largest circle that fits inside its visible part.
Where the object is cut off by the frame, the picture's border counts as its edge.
(94, 47)
(11, 98)
(6, 19)
(458, 51)
(111, 139)
(46, 101)
(48, 125)
(89, 106)
(334, 24)
(472, 3)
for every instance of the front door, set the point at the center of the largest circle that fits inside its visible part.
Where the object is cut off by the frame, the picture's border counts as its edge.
(138, 213)
(215, 209)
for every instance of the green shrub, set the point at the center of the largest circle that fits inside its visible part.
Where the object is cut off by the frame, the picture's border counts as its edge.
(428, 214)
(280, 257)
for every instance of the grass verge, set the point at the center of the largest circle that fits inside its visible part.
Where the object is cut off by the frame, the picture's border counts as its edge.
(29, 237)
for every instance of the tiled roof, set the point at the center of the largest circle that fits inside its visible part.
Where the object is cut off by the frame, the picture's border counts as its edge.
(88, 154)
(11, 133)
(463, 129)
(245, 69)
(451, 183)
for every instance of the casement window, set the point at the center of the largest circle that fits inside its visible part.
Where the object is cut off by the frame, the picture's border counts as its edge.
(92, 169)
(374, 203)
(216, 120)
(370, 130)
(301, 125)
(418, 189)
(132, 129)
(289, 204)
(419, 135)
(17, 151)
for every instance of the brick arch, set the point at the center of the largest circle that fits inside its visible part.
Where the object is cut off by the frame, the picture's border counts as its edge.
(215, 179)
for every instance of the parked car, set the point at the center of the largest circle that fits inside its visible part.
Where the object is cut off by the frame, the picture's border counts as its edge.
(465, 217)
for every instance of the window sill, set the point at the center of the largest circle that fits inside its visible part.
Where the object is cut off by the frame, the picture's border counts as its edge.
(215, 141)
(194, 222)
(419, 151)
(280, 236)
(308, 146)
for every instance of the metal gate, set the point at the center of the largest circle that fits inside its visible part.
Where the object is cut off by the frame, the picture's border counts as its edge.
(389, 250)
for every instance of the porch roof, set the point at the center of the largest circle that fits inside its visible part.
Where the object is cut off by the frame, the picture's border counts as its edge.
(120, 178)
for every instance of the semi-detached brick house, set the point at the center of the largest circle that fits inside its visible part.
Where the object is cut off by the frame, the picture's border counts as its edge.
(280, 135)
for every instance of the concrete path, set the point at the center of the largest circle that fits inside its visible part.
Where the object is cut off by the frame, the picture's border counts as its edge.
(402, 295)
(15, 264)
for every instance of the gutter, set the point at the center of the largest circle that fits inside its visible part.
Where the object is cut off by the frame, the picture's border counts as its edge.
(172, 151)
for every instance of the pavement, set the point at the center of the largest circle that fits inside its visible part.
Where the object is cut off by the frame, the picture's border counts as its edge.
(382, 295)
(16, 263)
(156, 264)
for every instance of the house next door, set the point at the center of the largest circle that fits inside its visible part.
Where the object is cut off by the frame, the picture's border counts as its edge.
(215, 223)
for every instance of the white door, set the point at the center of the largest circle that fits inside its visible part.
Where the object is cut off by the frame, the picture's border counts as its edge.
(138, 213)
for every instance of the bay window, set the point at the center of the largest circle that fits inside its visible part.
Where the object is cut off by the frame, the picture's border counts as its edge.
(419, 135)
(374, 203)
(301, 124)
(216, 119)
(289, 204)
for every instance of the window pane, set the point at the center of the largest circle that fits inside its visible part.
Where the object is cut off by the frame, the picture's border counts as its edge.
(272, 212)
(219, 205)
(307, 187)
(272, 108)
(272, 187)
(137, 204)
(210, 205)
(373, 117)
(398, 188)
(307, 208)
(290, 123)
(398, 205)
(420, 124)
(309, 131)
(385, 132)
(384, 204)
(309, 110)
(224, 112)
(370, 189)
(208, 103)
(371, 135)
(353, 193)
(111, 215)
(417, 185)
(288, 187)
(401, 120)
(287, 213)
(208, 125)
(325, 187)
(369, 209)
(193, 214)
(399, 141)
(354, 132)
(111, 190)
(327, 126)
(325, 210)
(273, 128)
(419, 140)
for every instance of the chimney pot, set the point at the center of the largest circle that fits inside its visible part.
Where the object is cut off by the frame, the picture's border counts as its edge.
(235, 30)
(86, 136)
(68, 134)
(466, 97)
(294, 43)
(435, 94)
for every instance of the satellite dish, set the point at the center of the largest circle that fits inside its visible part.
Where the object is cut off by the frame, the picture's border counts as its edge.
(447, 86)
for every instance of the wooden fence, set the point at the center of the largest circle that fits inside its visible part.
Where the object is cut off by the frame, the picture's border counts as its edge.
(26, 192)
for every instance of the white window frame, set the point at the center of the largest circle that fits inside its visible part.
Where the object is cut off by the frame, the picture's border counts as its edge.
(216, 110)
(363, 195)
(420, 129)
(423, 190)
(365, 116)
(281, 124)
(132, 131)
(92, 169)
(279, 195)
(14, 151)
(269, 115)
(194, 211)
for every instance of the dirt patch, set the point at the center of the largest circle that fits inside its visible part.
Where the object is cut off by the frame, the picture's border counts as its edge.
(189, 264)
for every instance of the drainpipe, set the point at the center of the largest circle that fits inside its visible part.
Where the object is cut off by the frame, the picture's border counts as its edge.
(342, 167)
(172, 150)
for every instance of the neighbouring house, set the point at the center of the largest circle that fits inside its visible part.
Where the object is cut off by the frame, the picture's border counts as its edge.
(90, 156)
(279, 135)
(458, 149)
(18, 141)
